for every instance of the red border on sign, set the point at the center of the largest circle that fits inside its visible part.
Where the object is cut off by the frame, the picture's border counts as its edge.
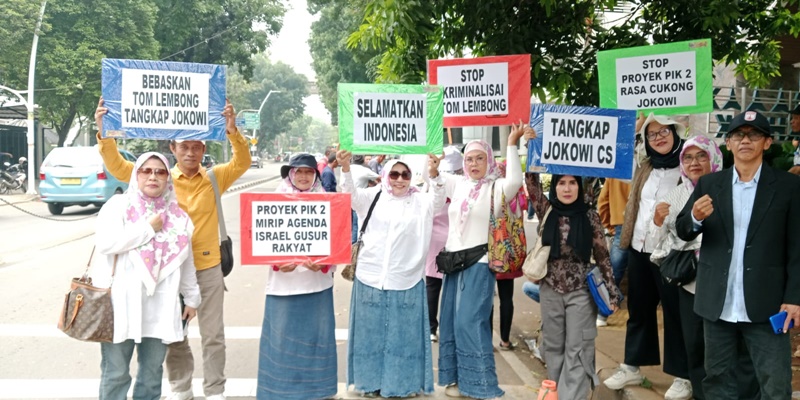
(519, 89)
(339, 230)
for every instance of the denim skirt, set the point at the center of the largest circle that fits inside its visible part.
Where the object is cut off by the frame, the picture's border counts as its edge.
(297, 354)
(389, 347)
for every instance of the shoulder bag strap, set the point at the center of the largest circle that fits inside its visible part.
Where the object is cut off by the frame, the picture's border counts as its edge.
(85, 277)
(369, 214)
(223, 233)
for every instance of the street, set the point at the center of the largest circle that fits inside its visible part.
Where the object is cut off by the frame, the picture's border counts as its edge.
(39, 256)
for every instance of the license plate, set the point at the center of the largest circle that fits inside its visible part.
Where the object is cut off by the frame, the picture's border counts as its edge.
(70, 181)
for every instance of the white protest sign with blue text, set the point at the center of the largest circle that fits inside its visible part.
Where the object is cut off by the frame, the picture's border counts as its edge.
(583, 141)
(163, 100)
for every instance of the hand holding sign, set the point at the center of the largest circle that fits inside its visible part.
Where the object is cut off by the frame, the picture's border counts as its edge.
(530, 133)
(314, 267)
(661, 212)
(343, 158)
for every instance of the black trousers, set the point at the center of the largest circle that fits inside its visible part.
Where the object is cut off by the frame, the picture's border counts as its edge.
(433, 286)
(771, 355)
(693, 333)
(505, 291)
(646, 289)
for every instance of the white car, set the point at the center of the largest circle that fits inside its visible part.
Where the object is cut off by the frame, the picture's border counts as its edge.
(255, 161)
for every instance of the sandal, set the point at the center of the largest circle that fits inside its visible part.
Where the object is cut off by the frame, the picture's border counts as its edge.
(510, 346)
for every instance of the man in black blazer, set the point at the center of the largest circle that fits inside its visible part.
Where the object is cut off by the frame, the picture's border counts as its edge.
(749, 267)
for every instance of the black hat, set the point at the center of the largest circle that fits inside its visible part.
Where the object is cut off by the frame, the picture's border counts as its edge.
(796, 110)
(752, 118)
(300, 160)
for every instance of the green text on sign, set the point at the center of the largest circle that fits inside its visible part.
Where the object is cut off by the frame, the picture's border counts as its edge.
(391, 119)
(672, 78)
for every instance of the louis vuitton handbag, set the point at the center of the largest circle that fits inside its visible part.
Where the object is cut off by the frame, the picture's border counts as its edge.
(349, 271)
(87, 313)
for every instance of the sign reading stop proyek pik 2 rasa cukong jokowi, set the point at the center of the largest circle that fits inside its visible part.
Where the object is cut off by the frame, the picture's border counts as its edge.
(163, 100)
(390, 119)
(485, 91)
(582, 141)
(282, 228)
(668, 79)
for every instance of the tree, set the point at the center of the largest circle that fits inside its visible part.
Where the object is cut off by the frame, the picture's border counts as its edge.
(314, 135)
(563, 37)
(332, 61)
(282, 108)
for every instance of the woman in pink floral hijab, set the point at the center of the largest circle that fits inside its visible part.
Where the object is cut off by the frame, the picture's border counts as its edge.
(146, 240)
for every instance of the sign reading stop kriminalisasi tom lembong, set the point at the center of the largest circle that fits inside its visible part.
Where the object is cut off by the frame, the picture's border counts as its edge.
(390, 119)
(163, 100)
(668, 79)
(484, 91)
(582, 141)
(282, 228)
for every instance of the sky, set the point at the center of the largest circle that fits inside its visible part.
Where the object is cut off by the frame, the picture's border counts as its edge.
(291, 47)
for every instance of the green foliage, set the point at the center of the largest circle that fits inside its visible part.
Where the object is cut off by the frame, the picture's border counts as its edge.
(779, 156)
(310, 135)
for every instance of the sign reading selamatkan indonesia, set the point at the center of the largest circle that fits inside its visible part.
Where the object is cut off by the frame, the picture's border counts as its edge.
(281, 228)
(485, 91)
(583, 141)
(390, 119)
(163, 100)
(672, 78)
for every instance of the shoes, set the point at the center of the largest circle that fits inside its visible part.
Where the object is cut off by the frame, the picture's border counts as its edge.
(601, 321)
(452, 391)
(216, 397)
(624, 377)
(187, 395)
(372, 395)
(510, 346)
(434, 338)
(681, 389)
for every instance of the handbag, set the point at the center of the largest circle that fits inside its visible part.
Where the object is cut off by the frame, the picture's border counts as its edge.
(507, 242)
(679, 267)
(599, 291)
(535, 266)
(225, 245)
(448, 262)
(349, 271)
(87, 313)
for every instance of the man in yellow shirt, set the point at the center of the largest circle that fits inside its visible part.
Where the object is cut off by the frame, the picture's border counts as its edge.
(195, 196)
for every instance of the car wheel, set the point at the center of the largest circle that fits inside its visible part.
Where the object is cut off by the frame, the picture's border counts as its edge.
(118, 191)
(55, 208)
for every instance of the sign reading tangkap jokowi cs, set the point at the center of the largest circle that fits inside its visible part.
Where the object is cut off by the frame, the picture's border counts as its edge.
(584, 141)
(280, 228)
(484, 91)
(672, 78)
(390, 119)
(163, 100)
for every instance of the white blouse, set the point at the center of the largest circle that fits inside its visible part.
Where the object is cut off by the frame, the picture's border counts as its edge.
(137, 315)
(658, 184)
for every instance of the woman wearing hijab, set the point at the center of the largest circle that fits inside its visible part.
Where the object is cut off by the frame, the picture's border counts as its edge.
(297, 353)
(388, 350)
(146, 240)
(658, 174)
(573, 230)
(466, 358)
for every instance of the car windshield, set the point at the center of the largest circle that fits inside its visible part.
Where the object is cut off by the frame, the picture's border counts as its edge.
(73, 157)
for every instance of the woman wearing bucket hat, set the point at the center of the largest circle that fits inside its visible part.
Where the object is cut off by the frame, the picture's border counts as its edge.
(658, 174)
(298, 328)
(389, 351)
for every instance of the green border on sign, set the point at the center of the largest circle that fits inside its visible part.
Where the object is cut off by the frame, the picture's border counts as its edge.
(607, 74)
(434, 119)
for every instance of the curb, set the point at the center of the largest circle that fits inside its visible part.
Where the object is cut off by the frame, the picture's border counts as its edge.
(251, 184)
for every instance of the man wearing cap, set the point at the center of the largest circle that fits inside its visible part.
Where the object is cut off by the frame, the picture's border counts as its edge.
(196, 197)
(749, 266)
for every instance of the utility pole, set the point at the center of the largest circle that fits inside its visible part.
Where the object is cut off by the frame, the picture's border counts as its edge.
(30, 104)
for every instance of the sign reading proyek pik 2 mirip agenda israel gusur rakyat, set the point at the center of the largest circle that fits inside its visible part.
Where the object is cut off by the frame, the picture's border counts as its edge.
(390, 119)
(163, 100)
(668, 79)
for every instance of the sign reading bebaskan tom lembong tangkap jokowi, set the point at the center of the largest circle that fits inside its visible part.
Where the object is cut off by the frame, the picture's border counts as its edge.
(672, 78)
(163, 100)
(390, 119)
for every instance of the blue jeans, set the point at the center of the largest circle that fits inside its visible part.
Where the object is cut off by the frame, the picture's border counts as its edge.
(531, 290)
(619, 257)
(115, 378)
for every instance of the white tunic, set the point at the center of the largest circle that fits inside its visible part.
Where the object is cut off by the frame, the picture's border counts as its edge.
(137, 315)
(658, 184)
(398, 234)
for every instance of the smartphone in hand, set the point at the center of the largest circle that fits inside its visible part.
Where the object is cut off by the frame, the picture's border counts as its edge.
(777, 322)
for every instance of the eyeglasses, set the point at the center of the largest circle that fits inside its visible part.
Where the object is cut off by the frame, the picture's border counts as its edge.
(663, 132)
(700, 157)
(394, 175)
(739, 135)
(160, 173)
(475, 160)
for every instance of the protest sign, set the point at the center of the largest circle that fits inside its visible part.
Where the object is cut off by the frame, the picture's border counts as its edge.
(672, 78)
(484, 91)
(281, 228)
(163, 100)
(390, 119)
(583, 141)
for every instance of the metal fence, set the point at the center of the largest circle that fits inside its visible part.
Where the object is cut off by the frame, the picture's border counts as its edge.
(774, 104)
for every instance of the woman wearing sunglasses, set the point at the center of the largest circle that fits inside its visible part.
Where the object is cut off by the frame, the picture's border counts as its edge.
(389, 351)
(146, 240)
